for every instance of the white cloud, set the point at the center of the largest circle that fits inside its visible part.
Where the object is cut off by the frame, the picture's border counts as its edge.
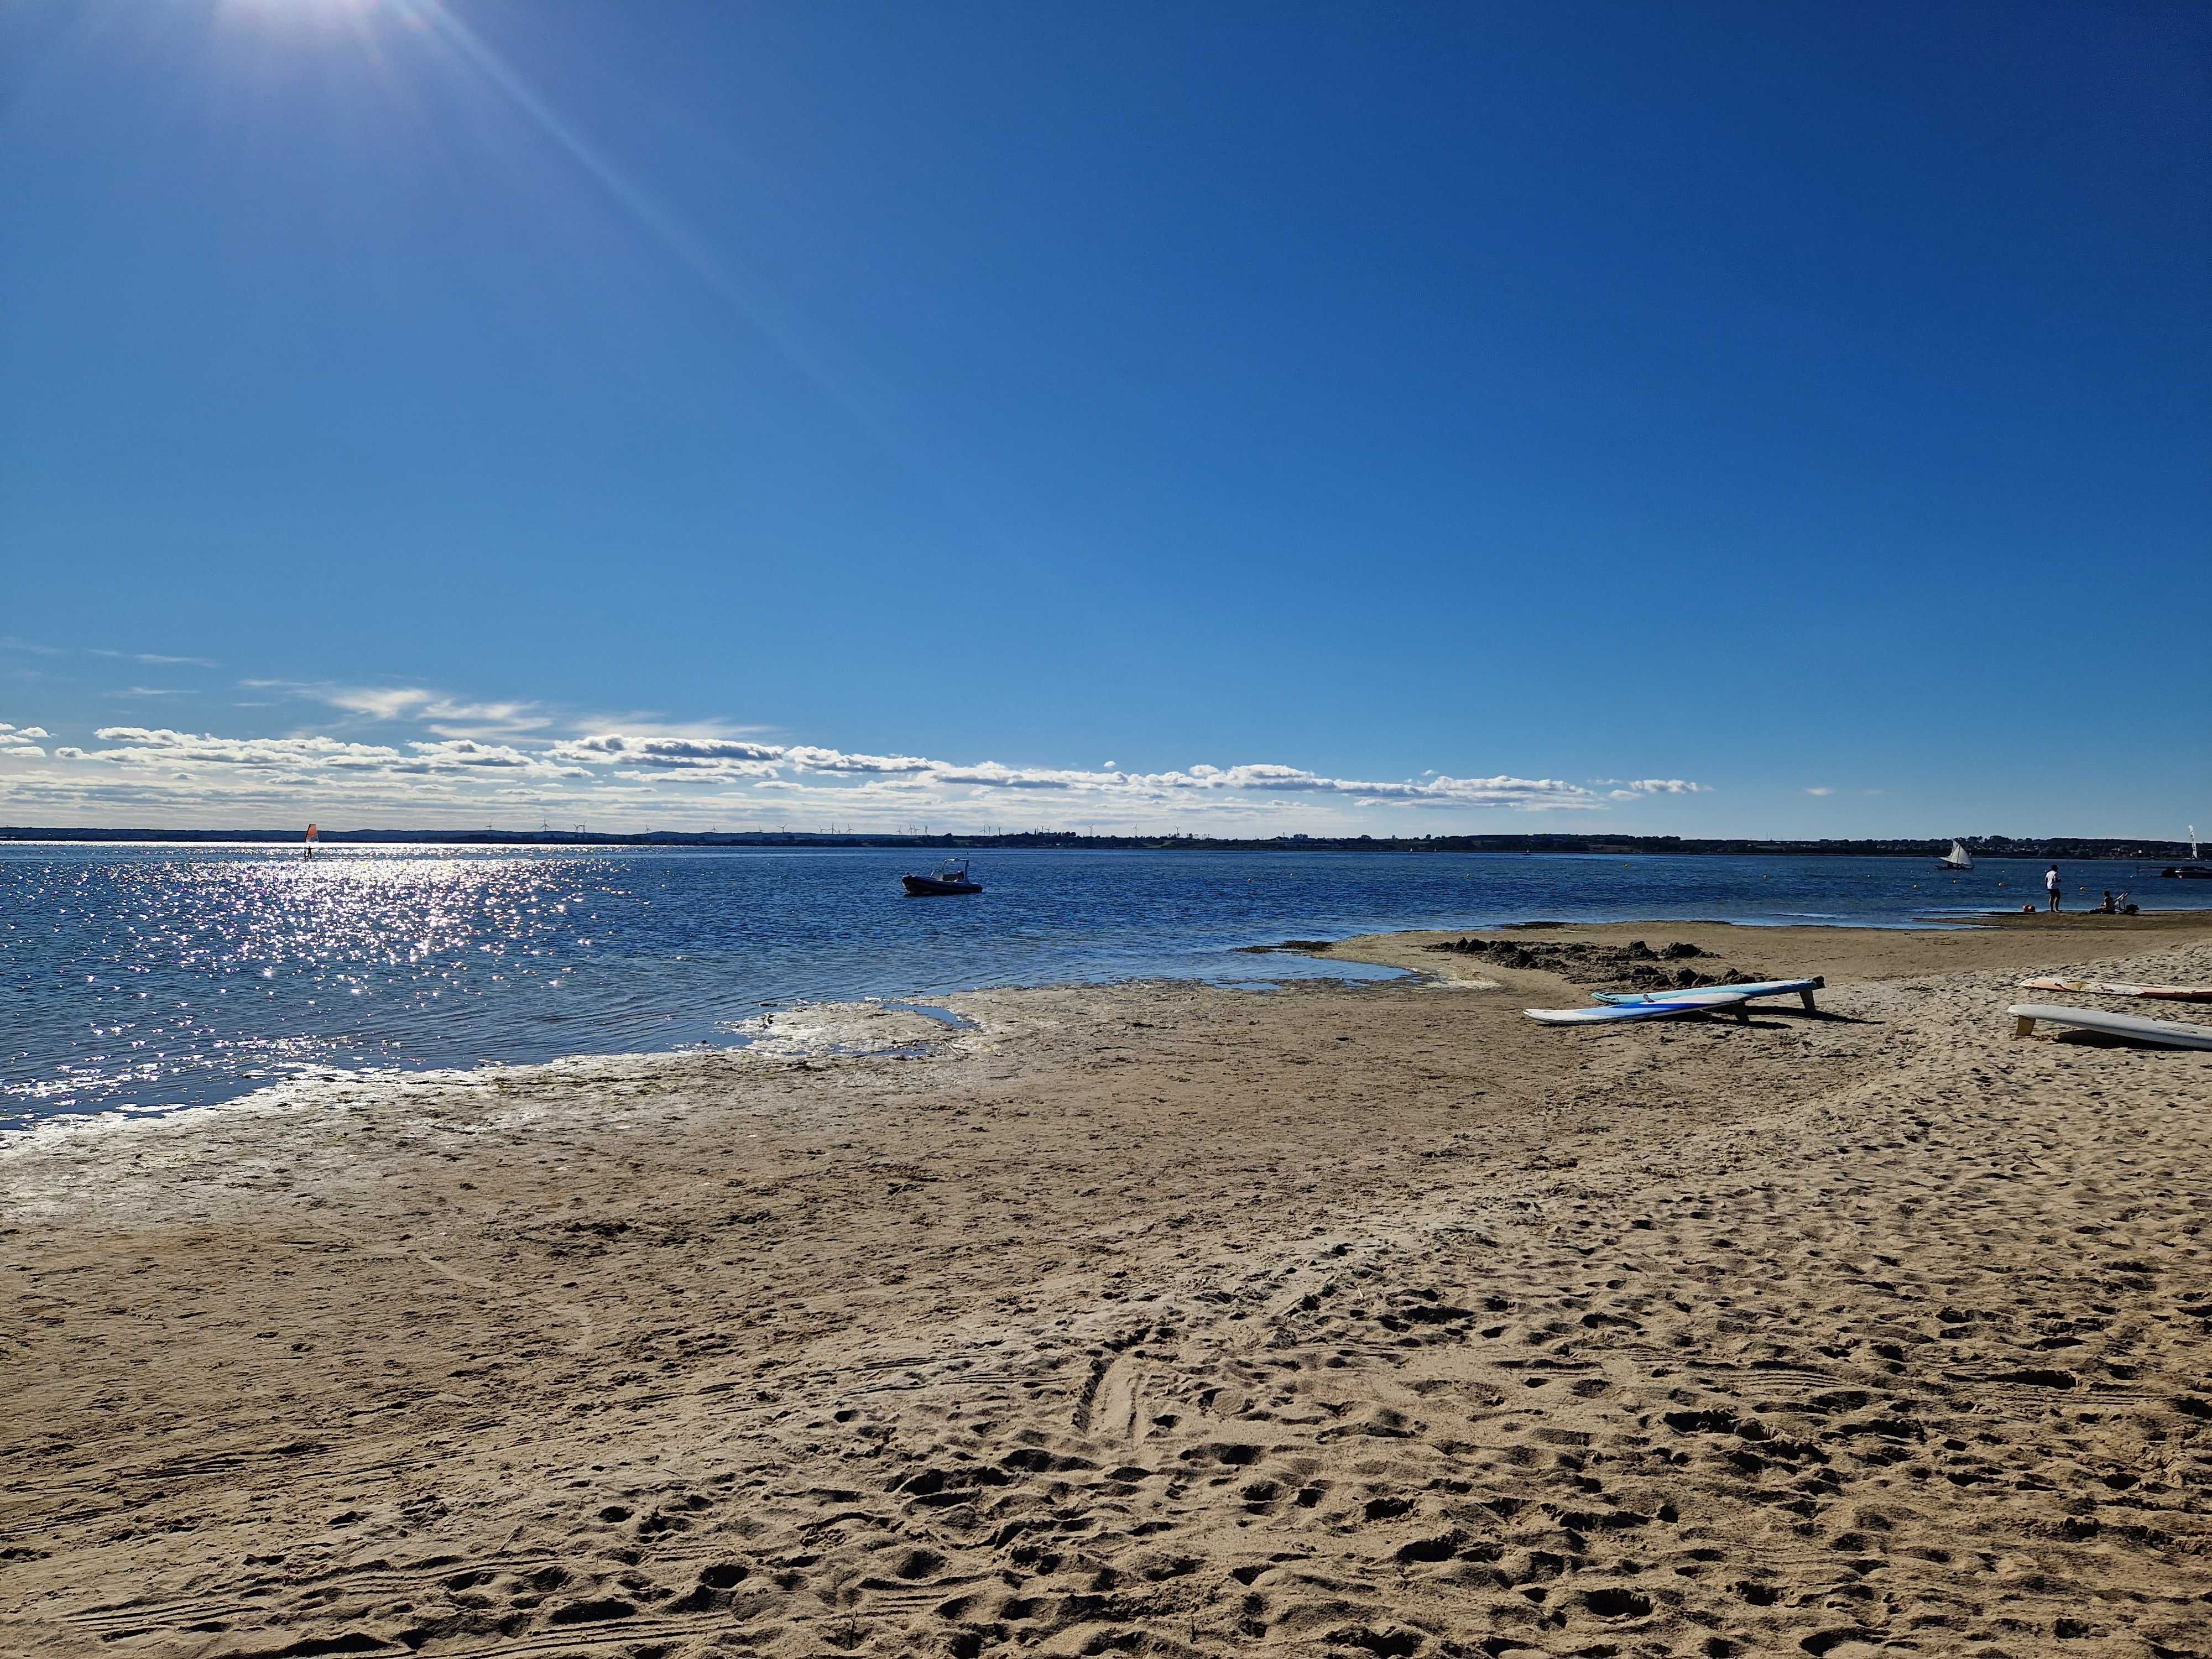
(156, 659)
(1821, 789)
(19, 741)
(467, 752)
(1639, 788)
(622, 769)
(452, 717)
(379, 704)
(143, 746)
(446, 715)
(811, 759)
(735, 757)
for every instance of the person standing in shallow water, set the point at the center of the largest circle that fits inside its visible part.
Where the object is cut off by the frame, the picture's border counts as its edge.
(2051, 884)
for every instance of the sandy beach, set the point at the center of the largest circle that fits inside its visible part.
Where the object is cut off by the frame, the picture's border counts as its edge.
(1157, 1318)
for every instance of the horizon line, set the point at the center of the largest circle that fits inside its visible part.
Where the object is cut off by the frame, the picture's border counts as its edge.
(1903, 845)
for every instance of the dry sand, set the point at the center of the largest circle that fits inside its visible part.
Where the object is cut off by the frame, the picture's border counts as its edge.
(1154, 1319)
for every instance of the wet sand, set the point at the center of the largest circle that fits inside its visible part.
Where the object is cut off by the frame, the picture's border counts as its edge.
(1156, 1319)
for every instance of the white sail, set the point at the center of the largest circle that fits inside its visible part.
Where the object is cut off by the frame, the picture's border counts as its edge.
(1960, 858)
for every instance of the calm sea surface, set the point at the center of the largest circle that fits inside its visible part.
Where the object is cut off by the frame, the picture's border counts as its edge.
(140, 978)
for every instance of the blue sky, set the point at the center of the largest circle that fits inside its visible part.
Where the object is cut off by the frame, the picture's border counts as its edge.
(1408, 419)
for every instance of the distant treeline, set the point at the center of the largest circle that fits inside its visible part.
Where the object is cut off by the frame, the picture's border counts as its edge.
(2043, 846)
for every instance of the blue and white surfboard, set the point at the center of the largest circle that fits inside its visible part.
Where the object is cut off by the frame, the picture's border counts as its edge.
(1685, 1002)
(1765, 988)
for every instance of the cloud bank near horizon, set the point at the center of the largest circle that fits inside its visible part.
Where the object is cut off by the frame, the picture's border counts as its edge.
(511, 762)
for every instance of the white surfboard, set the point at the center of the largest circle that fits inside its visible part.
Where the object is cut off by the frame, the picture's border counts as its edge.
(1762, 987)
(1604, 1013)
(2106, 988)
(2168, 1033)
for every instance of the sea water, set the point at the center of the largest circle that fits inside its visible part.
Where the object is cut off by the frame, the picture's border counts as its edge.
(145, 977)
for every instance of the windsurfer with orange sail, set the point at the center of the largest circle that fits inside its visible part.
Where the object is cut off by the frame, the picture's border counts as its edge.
(311, 841)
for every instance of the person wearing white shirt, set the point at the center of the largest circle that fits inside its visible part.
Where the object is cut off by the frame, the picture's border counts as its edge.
(2051, 884)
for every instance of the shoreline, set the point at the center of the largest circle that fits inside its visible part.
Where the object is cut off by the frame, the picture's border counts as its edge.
(1402, 950)
(1156, 1317)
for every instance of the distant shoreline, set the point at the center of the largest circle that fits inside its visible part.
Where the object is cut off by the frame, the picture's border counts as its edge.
(2113, 847)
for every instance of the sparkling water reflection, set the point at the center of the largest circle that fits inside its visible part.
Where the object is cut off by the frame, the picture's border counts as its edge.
(147, 977)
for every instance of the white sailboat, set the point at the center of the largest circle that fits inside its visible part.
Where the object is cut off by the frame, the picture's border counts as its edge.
(1959, 858)
(2193, 869)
